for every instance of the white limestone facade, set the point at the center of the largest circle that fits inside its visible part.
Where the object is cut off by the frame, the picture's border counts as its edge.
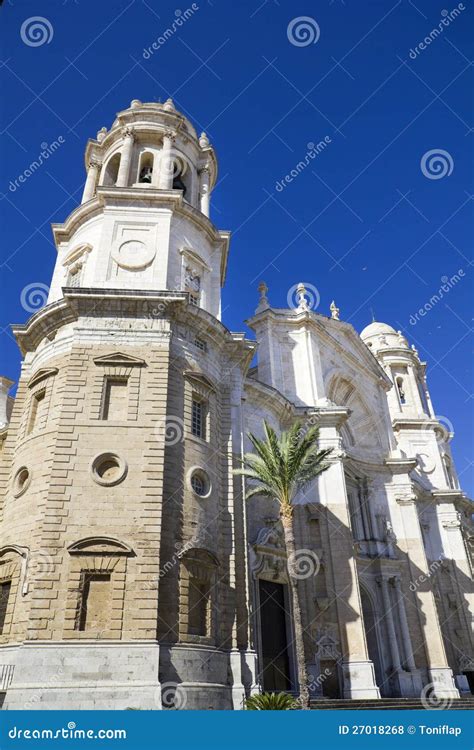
(132, 571)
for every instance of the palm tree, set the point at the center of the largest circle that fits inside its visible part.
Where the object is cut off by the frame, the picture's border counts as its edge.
(280, 468)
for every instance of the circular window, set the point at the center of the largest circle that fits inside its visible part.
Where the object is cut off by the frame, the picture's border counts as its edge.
(199, 482)
(21, 481)
(108, 469)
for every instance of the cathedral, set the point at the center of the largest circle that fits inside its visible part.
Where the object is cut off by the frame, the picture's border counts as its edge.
(133, 574)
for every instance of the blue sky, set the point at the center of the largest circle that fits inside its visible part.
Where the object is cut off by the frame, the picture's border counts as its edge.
(363, 223)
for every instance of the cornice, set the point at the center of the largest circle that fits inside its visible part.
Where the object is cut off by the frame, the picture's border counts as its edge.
(402, 465)
(139, 304)
(167, 199)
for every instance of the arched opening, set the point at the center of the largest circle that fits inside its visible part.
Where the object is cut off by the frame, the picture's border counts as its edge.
(370, 627)
(145, 171)
(112, 170)
(361, 432)
(182, 177)
(401, 390)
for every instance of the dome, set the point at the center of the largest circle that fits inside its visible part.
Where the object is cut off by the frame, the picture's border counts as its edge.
(376, 329)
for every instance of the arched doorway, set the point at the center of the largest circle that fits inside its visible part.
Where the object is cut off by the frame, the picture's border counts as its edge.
(370, 627)
(273, 611)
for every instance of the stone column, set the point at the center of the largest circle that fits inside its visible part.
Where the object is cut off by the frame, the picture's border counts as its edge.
(204, 196)
(91, 180)
(357, 668)
(402, 615)
(165, 181)
(392, 635)
(123, 176)
(411, 542)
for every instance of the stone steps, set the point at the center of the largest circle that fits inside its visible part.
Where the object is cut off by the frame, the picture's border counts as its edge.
(388, 704)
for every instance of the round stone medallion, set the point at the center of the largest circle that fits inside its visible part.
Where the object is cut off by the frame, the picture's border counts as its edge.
(133, 255)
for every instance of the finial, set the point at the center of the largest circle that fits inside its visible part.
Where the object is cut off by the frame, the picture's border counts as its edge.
(169, 105)
(135, 103)
(101, 134)
(301, 297)
(372, 313)
(203, 140)
(263, 301)
(334, 311)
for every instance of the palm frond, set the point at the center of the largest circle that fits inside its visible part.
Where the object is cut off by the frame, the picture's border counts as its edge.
(281, 466)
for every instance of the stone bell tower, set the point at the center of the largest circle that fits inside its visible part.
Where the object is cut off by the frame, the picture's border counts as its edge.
(122, 558)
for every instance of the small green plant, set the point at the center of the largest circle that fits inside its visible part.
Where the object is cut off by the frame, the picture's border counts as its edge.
(271, 702)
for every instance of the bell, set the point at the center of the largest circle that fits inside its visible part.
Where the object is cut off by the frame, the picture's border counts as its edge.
(178, 184)
(146, 174)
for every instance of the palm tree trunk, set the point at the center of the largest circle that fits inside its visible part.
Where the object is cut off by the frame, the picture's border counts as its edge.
(287, 522)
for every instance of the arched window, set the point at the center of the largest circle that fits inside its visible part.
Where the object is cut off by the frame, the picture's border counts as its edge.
(179, 184)
(112, 170)
(182, 176)
(198, 577)
(401, 391)
(145, 172)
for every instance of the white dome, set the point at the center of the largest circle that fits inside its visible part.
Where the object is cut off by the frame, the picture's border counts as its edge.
(377, 329)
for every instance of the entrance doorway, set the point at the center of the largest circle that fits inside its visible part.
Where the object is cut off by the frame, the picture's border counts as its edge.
(274, 636)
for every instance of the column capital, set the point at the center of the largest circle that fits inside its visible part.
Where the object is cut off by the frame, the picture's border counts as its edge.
(406, 499)
(170, 135)
(94, 163)
(128, 132)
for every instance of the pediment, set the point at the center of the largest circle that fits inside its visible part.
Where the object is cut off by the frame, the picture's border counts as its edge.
(352, 349)
(198, 377)
(76, 253)
(39, 375)
(100, 545)
(117, 359)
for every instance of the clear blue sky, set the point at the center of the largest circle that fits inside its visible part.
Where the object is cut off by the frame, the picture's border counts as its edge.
(362, 222)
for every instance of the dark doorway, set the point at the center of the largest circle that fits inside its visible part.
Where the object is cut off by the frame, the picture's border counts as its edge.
(470, 680)
(273, 622)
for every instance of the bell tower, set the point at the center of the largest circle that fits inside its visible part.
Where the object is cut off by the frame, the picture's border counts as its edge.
(122, 545)
(144, 218)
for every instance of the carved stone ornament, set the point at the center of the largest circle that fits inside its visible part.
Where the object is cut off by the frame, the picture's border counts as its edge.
(269, 555)
(334, 311)
(327, 646)
(192, 279)
(127, 132)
